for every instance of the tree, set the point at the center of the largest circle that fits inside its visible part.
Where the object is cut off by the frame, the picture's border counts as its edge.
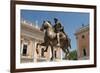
(73, 55)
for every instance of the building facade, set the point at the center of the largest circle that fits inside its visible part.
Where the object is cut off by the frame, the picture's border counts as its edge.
(30, 36)
(82, 37)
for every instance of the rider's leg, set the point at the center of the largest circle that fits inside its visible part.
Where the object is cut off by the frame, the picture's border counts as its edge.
(58, 39)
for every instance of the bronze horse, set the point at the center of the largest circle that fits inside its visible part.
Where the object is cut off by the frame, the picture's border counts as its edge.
(50, 39)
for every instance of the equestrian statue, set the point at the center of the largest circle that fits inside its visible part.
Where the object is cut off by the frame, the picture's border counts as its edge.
(55, 37)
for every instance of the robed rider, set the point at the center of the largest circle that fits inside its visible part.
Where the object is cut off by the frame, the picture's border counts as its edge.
(58, 28)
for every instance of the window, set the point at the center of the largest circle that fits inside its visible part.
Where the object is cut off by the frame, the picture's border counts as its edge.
(83, 36)
(24, 50)
(84, 52)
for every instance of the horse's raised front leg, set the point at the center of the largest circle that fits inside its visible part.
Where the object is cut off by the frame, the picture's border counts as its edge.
(46, 49)
(37, 48)
(41, 44)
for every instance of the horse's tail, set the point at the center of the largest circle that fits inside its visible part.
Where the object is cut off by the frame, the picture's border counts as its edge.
(69, 42)
(37, 48)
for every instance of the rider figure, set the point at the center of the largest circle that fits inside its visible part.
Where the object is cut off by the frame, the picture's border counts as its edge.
(58, 28)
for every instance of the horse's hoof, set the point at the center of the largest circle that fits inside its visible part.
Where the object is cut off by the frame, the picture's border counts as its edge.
(45, 50)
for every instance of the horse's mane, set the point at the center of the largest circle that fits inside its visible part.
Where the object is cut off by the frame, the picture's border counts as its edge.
(49, 22)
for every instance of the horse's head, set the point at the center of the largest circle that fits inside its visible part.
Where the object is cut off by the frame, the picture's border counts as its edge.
(45, 25)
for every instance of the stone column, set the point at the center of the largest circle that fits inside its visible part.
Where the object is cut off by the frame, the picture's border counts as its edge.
(30, 49)
(48, 54)
(34, 51)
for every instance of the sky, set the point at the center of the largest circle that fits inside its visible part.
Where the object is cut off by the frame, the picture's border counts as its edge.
(71, 21)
